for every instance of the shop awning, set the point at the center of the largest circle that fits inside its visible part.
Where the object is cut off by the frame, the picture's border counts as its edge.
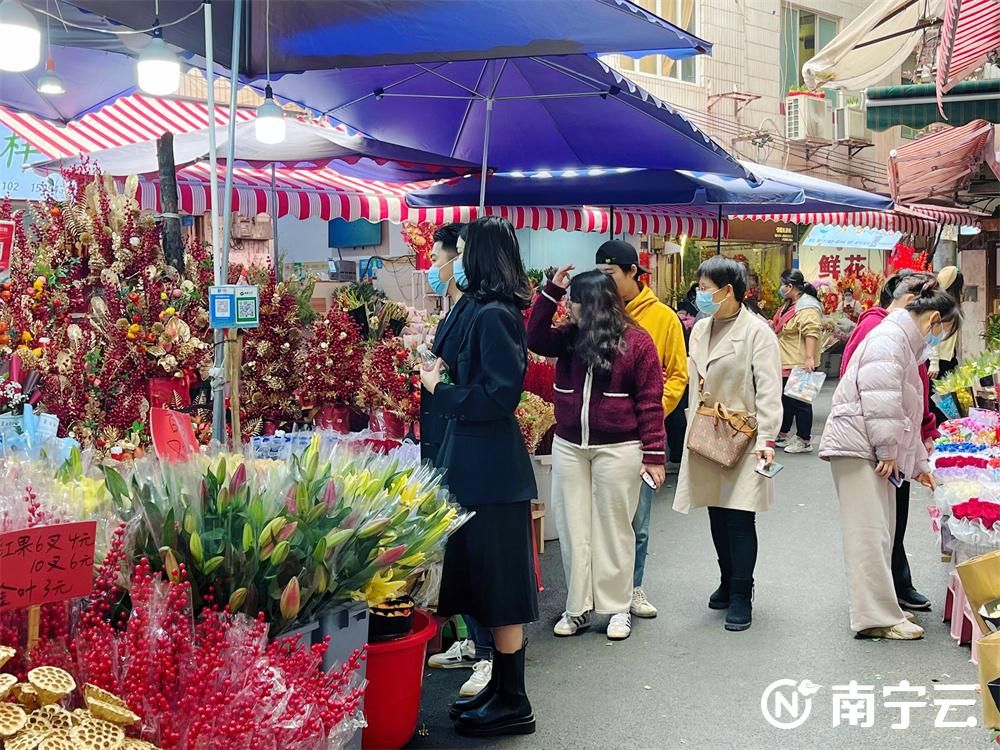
(873, 46)
(916, 106)
(920, 220)
(971, 31)
(940, 164)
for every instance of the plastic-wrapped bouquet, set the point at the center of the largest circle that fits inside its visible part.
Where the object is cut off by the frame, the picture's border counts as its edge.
(535, 417)
(288, 538)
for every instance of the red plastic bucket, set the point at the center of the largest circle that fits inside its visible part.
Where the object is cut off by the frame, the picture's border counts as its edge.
(395, 679)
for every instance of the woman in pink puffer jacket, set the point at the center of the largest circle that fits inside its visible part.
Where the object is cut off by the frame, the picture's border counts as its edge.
(872, 436)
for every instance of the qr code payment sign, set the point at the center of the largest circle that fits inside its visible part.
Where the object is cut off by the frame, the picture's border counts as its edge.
(246, 309)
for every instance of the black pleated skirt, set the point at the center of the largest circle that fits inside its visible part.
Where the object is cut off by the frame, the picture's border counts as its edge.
(489, 568)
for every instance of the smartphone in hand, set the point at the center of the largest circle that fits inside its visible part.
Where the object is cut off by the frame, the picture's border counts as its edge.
(768, 470)
(896, 480)
(648, 480)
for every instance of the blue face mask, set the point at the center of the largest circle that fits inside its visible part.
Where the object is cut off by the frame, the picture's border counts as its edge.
(438, 285)
(781, 292)
(705, 304)
(460, 278)
(933, 339)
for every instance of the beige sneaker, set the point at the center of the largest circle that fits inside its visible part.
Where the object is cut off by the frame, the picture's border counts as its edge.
(904, 631)
(641, 606)
(481, 674)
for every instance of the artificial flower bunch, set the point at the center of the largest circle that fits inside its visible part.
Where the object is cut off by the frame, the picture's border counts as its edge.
(18, 386)
(419, 236)
(211, 681)
(287, 538)
(333, 362)
(390, 382)
(94, 307)
(535, 417)
(906, 257)
(987, 512)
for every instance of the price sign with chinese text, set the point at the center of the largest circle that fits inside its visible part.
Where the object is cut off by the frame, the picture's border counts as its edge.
(46, 564)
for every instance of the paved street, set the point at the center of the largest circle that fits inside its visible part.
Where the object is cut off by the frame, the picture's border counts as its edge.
(681, 681)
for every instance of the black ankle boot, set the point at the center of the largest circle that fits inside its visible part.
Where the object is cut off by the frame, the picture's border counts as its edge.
(476, 701)
(719, 599)
(507, 711)
(739, 615)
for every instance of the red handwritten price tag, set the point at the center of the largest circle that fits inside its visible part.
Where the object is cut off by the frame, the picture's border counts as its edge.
(46, 564)
(6, 243)
(173, 435)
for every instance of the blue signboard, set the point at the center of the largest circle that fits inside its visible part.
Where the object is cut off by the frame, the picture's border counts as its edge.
(862, 238)
(17, 182)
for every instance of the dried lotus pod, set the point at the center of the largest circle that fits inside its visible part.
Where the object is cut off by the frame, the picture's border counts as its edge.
(6, 654)
(27, 739)
(131, 744)
(7, 683)
(97, 735)
(58, 740)
(80, 715)
(92, 692)
(52, 683)
(112, 713)
(57, 716)
(12, 720)
(26, 695)
(38, 723)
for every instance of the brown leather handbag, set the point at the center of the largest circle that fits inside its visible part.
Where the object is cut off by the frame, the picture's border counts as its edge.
(720, 435)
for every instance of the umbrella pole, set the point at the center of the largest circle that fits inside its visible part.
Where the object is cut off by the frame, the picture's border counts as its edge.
(718, 233)
(218, 383)
(486, 149)
(611, 224)
(274, 223)
(213, 152)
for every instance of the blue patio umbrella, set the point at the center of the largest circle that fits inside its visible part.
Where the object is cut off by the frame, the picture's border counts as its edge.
(326, 34)
(615, 187)
(821, 195)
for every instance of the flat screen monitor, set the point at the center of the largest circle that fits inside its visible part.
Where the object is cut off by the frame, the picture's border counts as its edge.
(359, 233)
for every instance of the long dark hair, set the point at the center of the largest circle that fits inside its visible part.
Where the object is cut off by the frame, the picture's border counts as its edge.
(794, 277)
(599, 332)
(901, 283)
(493, 265)
(932, 297)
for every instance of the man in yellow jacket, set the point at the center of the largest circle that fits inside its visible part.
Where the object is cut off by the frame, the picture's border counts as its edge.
(620, 261)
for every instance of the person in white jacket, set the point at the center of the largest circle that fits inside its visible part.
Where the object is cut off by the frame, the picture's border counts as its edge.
(872, 439)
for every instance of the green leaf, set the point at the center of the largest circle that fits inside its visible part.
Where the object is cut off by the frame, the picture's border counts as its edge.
(115, 484)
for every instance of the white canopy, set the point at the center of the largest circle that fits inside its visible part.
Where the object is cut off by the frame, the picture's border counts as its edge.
(871, 47)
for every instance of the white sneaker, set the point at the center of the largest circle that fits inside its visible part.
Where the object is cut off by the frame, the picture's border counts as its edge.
(620, 626)
(641, 606)
(798, 445)
(904, 631)
(481, 674)
(571, 625)
(461, 654)
(781, 442)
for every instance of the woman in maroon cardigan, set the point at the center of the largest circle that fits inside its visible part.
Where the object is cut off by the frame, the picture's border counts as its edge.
(898, 290)
(609, 438)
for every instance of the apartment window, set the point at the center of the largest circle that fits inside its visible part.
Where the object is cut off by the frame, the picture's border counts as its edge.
(803, 34)
(682, 13)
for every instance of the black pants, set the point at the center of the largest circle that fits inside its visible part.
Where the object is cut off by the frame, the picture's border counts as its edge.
(900, 565)
(734, 533)
(676, 424)
(798, 411)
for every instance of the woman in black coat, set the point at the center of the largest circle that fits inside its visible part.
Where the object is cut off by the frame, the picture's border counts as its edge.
(489, 563)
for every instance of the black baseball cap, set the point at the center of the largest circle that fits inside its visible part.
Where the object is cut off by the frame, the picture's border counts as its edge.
(619, 253)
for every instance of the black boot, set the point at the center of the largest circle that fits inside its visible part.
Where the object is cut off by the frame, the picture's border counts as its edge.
(739, 615)
(476, 701)
(507, 711)
(719, 598)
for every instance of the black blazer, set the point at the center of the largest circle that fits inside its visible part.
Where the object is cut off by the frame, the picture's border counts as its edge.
(450, 334)
(482, 452)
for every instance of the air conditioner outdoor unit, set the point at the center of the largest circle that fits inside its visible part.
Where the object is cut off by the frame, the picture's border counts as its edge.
(849, 125)
(807, 118)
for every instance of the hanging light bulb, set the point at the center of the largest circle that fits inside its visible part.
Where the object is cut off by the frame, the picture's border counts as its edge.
(50, 83)
(269, 126)
(20, 38)
(159, 68)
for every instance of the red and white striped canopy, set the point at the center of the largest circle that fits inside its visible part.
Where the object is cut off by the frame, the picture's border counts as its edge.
(916, 219)
(971, 31)
(306, 193)
(939, 164)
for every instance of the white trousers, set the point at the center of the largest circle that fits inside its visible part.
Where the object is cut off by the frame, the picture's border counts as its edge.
(867, 522)
(595, 492)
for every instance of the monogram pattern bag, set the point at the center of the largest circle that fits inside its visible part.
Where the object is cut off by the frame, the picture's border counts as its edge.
(719, 435)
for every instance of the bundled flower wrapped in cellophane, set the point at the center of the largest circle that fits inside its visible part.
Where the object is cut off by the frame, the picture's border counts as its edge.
(535, 417)
(288, 538)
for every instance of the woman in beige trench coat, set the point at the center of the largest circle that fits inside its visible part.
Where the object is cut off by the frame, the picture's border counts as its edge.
(733, 360)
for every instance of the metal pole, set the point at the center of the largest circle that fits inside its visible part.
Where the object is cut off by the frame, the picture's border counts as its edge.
(486, 149)
(218, 385)
(718, 233)
(278, 270)
(611, 224)
(213, 153)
